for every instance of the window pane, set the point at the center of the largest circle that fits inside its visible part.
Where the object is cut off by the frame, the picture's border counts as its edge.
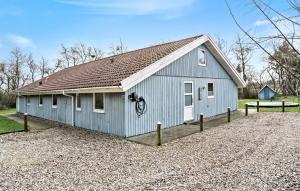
(210, 89)
(78, 101)
(54, 100)
(188, 100)
(201, 57)
(41, 100)
(99, 101)
(28, 99)
(188, 87)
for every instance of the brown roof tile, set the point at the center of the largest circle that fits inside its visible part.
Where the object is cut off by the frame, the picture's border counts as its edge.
(105, 72)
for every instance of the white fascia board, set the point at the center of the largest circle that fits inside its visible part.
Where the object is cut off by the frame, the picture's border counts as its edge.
(141, 75)
(224, 61)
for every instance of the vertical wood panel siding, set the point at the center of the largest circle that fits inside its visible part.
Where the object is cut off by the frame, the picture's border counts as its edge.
(111, 121)
(164, 94)
(63, 112)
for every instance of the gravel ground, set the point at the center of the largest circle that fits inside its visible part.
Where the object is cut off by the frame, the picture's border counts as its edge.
(261, 152)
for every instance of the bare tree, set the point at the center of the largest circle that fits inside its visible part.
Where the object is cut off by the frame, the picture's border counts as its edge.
(77, 54)
(242, 51)
(224, 46)
(118, 49)
(43, 67)
(13, 74)
(32, 66)
(281, 35)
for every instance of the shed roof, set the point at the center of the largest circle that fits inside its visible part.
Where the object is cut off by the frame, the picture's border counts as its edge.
(266, 86)
(121, 72)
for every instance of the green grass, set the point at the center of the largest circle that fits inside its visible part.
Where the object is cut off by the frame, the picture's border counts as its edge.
(8, 125)
(242, 103)
(7, 111)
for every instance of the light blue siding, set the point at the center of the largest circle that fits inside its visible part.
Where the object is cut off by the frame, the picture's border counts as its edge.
(62, 114)
(164, 94)
(111, 121)
(187, 66)
(266, 93)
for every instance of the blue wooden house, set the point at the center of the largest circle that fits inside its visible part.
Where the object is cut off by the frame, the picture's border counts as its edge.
(266, 93)
(127, 94)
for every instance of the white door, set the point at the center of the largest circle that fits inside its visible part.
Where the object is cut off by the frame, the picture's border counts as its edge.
(188, 101)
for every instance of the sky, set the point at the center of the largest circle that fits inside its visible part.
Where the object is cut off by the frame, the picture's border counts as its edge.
(41, 26)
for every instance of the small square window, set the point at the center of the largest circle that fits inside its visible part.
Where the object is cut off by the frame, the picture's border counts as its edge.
(201, 57)
(54, 101)
(41, 100)
(99, 102)
(78, 102)
(210, 90)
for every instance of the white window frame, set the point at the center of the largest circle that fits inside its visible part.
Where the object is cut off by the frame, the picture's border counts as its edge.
(94, 104)
(192, 94)
(54, 106)
(214, 93)
(28, 98)
(40, 105)
(78, 108)
(205, 58)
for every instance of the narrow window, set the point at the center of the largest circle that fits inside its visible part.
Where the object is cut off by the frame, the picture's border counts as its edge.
(210, 90)
(54, 101)
(41, 100)
(28, 100)
(201, 57)
(99, 102)
(188, 94)
(78, 102)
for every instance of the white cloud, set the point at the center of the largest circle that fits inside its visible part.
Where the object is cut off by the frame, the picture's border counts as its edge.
(261, 22)
(21, 41)
(133, 7)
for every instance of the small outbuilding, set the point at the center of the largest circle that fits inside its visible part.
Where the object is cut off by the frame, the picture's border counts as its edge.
(266, 93)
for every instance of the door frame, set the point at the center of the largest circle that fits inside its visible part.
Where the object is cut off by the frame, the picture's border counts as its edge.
(193, 104)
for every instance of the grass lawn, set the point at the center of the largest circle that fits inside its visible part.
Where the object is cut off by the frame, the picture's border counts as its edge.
(8, 125)
(7, 111)
(242, 103)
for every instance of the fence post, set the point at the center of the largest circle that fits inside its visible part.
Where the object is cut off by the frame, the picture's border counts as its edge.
(228, 114)
(25, 122)
(246, 109)
(201, 121)
(158, 129)
(257, 106)
(283, 105)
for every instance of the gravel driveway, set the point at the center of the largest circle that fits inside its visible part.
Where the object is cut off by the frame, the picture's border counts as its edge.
(261, 152)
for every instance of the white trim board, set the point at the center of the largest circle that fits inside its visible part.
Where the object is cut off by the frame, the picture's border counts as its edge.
(141, 75)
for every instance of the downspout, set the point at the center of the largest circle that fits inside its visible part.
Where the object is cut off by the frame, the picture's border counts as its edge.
(72, 98)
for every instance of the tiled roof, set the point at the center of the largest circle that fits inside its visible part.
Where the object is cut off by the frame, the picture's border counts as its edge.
(109, 71)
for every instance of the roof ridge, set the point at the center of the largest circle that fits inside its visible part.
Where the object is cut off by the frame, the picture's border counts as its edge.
(139, 49)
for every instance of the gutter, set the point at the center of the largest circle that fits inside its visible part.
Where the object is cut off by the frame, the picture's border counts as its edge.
(72, 98)
(109, 89)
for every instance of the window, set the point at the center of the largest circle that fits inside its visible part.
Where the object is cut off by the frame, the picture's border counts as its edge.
(78, 102)
(188, 94)
(54, 101)
(40, 100)
(98, 102)
(201, 57)
(28, 100)
(210, 90)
